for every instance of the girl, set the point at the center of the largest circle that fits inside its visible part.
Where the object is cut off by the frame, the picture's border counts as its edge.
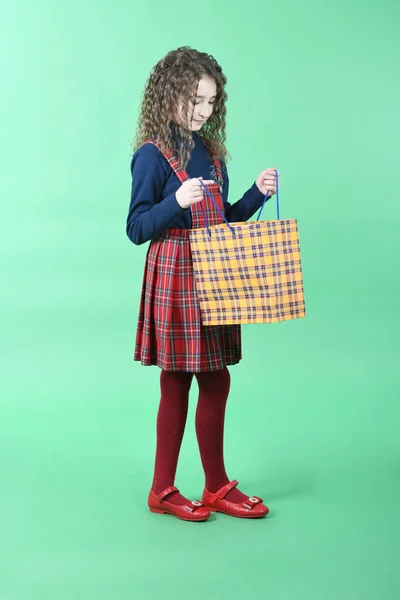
(180, 146)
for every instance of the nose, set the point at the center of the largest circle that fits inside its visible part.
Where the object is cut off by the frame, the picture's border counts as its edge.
(205, 111)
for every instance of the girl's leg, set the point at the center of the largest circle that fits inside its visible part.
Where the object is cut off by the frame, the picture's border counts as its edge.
(210, 417)
(171, 420)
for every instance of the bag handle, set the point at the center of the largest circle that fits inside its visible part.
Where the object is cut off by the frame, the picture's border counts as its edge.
(222, 214)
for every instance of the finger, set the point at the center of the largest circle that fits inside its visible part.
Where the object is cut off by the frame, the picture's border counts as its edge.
(270, 172)
(196, 200)
(206, 181)
(197, 184)
(197, 190)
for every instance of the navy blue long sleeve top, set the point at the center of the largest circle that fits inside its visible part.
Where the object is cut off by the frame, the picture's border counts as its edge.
(154, 207)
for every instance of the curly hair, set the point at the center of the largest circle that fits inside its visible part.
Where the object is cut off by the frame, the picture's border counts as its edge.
(173, 81)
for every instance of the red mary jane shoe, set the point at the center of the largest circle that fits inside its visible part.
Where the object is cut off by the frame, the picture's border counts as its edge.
(250, 509)
(192, 511)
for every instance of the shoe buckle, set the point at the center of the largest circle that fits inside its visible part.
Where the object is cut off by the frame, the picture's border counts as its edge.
(253, 501)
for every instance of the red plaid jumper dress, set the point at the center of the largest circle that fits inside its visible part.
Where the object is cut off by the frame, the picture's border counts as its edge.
(170, 334)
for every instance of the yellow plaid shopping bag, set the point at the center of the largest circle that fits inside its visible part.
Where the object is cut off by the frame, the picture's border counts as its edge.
(248, 272)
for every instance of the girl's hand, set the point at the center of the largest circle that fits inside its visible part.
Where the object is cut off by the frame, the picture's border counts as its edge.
(267, 181)
(191, 191)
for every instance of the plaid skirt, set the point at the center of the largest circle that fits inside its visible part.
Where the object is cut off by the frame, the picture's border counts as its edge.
(170, 334)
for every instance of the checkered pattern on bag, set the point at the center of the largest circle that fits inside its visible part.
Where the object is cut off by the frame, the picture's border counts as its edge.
(252, 277)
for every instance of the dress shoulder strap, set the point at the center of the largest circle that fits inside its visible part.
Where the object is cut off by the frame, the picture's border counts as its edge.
(172, 161)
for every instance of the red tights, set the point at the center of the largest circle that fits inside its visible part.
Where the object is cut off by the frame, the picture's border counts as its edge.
(210, 416)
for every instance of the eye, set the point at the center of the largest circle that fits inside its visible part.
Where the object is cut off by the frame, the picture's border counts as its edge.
(197, 102)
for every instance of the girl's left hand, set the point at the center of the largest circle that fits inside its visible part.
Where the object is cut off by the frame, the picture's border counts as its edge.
(267, 181)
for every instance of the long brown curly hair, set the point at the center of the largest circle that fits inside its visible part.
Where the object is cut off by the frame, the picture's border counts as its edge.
(172, 81)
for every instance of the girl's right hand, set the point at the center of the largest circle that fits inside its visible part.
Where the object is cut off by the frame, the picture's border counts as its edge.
(191, 191)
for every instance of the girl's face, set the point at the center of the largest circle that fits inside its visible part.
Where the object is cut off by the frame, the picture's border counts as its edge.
(202, 106)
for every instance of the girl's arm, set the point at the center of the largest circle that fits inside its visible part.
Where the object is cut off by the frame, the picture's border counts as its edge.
(244, 208)
(149, 215)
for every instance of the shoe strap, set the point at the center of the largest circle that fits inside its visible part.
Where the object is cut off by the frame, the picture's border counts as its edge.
(222, 492)
(166, 492)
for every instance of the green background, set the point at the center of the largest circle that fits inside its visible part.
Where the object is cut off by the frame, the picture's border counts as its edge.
(313, 417)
